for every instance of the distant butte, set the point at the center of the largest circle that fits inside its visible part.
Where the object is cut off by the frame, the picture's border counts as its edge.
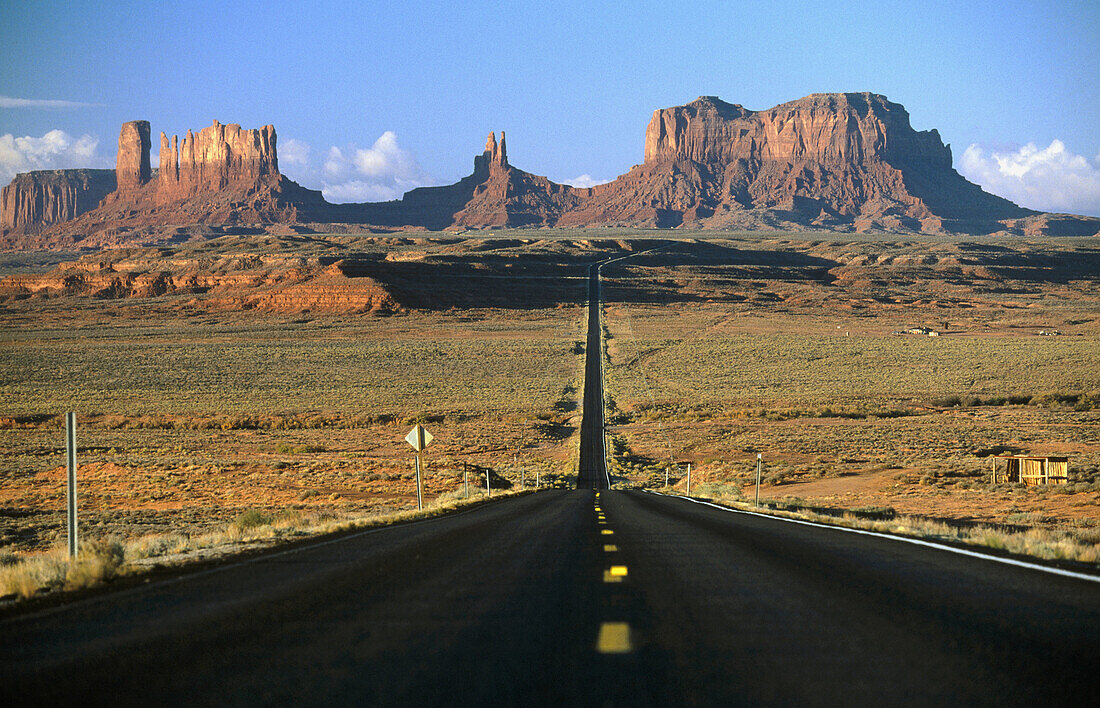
(839, 162)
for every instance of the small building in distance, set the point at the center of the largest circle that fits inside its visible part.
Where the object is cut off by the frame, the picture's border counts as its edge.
(1031, 469)
(925, 331)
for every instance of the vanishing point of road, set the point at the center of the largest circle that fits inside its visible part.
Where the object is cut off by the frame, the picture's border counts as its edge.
(575, 597)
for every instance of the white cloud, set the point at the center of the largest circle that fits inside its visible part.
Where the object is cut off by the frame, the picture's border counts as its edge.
(379, 173)
(293, 152)
(585, 180)
(1047, 179)
(53, 151)
(12, 102)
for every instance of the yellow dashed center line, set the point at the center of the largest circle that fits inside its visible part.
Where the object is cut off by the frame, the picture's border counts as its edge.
(606, 532)
(610, 548)
(614, 638)
(614, 574)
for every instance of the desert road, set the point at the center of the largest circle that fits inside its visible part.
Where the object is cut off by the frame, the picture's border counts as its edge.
(513, 603)
(592, 468)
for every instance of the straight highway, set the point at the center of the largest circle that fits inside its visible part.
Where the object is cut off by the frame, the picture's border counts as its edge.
(574, 597)
(592, 469)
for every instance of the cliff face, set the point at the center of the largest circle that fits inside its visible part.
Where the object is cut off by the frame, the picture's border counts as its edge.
(35, 199)
(829, 160)
(214, 159)
(223, 175)
(832, 129)
(132, 168)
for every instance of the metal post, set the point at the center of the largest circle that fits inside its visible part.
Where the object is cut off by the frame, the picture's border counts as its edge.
(419, 489)
(488, 489)
(689, 479)
(523, 479)
(70, 459)
(759, 462)
(666, 476)
(536, 478)
(466, 478)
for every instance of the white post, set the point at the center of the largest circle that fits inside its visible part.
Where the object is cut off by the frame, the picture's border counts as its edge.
(70, 460)
(689, 479)
(466, 478)
(488, 489)
(419, 489)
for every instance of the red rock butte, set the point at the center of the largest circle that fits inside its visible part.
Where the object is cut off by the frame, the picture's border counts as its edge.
(838, 162)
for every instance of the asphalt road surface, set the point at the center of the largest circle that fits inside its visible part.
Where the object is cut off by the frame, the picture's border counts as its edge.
(592, 470)
(530, 601)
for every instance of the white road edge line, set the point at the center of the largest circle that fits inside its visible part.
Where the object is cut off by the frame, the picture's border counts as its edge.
(904, 539)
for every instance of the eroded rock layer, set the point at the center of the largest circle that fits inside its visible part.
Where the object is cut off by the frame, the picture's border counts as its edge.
(260, 281)
(41, 198)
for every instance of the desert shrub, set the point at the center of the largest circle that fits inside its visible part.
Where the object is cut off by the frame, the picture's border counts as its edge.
(1054, 399)
(96, 562)
(289, 449)
(34, 573)
(875, 513)
(252, 519)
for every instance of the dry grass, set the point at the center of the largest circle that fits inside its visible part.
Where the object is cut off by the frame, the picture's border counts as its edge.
(101, 561)
(1082, 546)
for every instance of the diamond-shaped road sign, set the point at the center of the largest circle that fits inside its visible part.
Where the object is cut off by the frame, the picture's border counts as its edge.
(419, 437)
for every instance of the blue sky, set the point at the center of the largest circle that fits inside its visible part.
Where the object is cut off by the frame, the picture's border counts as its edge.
(371, 100)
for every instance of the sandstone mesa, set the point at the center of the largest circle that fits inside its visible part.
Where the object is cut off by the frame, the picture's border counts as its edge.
(833, 162)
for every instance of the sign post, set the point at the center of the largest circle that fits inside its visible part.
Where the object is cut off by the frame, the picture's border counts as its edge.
(70, 492)
(419, 438)
(759, 462)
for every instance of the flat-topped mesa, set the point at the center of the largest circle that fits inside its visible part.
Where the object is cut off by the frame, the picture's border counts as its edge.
(215, 158)
(37, 199)
(495, 157)
(824, 128)
(132, 169)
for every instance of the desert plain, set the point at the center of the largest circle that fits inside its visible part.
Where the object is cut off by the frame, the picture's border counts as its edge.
(218, 378)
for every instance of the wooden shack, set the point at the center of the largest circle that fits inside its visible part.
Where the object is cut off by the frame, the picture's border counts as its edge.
(1030, 469)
